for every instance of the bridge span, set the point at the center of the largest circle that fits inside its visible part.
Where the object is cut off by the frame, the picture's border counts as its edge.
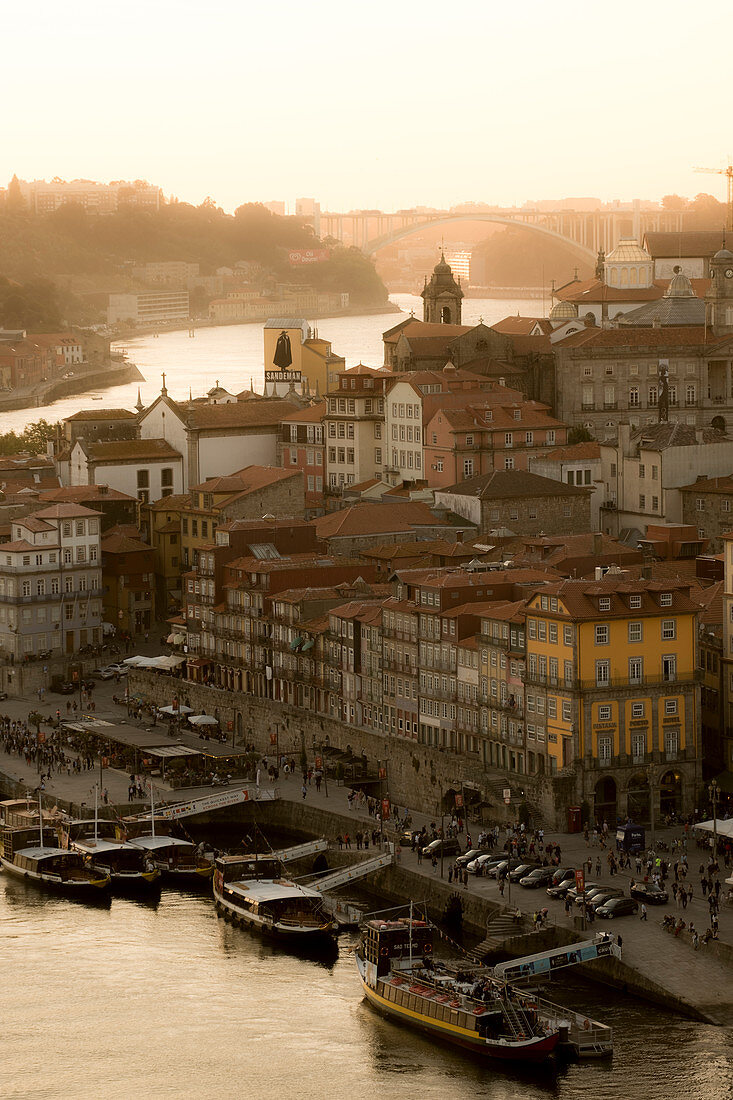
(584, 232)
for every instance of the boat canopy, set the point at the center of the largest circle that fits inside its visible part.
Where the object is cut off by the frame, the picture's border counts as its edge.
(155, 843)
(274, 890)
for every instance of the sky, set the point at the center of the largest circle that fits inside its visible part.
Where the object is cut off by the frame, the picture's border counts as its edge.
(373, 105)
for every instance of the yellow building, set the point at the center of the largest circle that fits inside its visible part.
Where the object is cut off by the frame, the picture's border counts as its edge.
(312, 356)
(613, 665)
(162, 523)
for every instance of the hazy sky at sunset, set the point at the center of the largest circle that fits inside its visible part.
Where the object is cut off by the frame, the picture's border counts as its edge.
(377, 104)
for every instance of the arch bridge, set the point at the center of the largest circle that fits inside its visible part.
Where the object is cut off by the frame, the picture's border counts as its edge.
(583, 232)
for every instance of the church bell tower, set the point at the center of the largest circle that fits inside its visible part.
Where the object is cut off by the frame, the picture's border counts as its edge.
(442, 296)
(719, 298)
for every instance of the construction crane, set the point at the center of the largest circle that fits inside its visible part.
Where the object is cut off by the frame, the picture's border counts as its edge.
(728, 173)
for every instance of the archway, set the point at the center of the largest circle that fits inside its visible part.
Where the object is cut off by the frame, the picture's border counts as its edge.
(605, 795)
(718, 422)
(445, 315)
(670, 794)
(637, 805)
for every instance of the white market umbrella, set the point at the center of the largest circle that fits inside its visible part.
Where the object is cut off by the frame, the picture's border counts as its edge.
(203, 720)
(176, 710)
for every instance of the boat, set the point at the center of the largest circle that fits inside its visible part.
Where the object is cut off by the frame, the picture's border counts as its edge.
(462, 1005)
(96, 839)
(251, 889)
(178, 860)
(48, 865)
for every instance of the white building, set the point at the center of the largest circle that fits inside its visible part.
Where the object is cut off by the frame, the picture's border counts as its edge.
(217, 438)
(576, 464)
(51, 582)
(354, 427)
(404, 432)
(152, 307)
(643, 470)
(147, 469)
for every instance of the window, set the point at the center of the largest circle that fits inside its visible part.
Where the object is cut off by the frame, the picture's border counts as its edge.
(642, 470)
(509, 465)
(634, 397)
(655, 504)
(468, 467)
(604, 713)
(166, 477)
(691, 395)
(670, 706)
(469, 441)
(605, 749)
(551, 436)
(635, 632)
(604, 603)
(636, 670)
(669, 668)
(603, 673)
(699, 504)
(665, 599)
(508, 439)
(642, 501)
(637, 710)
(634, 601)
(143, 479)
(530, 439)
(567, 635)
(602, 635)
(669, 629)
(671, 743)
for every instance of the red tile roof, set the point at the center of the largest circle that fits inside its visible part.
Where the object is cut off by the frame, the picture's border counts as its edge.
(373, 519)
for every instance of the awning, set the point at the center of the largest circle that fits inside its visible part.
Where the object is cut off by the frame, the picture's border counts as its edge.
(176, 710)
(176, 639)
(167, 662)
(136, 662)
(172, 750)
(199, 662)
(296, 643)
(720, 826)
(307, 645)
(203, 720)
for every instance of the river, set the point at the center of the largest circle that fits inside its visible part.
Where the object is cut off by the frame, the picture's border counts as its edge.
(168, 1000)
(233, 354)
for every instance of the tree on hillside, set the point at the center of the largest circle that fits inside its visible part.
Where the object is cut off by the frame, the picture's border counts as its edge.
(15, 202)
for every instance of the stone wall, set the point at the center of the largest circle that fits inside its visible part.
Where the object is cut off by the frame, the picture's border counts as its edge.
(417, 776)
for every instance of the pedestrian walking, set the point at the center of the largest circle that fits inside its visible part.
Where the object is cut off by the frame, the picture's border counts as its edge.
(304, 790)
(643, 912)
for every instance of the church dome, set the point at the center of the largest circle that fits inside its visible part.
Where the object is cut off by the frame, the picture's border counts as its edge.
(443, 267)
(722, 254)
(563, 311)
(680, 286)
(628, 251)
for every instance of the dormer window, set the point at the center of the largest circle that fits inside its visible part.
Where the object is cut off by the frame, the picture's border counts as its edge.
(635, 601)
(604, 603)
(517, 414)
(665, 599)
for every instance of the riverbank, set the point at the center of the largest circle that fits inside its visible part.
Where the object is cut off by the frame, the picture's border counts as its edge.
(279, 309)
(116, 373)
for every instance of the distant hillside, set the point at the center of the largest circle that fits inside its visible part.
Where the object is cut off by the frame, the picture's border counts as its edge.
(72, 243)
(518, 257)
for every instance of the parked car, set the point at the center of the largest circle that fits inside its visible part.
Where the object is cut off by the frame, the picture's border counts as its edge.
(486, 861)
(447, 847)
(62, 687)
(590, 893)
(470, 856)
(119, 668)
(650, 893)
(103, 673)
(563, 874)
(573, 891)
(3, 696)
(603, 896)
(617, 907)
(499, 870)
(562, 889)
(520, 871)
(540, 876)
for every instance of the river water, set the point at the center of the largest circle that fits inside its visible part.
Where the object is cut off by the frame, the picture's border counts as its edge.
(167, 1000)
(233, 354)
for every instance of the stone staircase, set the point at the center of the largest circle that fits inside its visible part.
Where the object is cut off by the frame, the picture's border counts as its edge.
(501, 927)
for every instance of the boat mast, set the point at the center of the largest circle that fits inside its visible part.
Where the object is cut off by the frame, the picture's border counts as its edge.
(411, 933)
(40, 819)
(96, 809)
(152, 809)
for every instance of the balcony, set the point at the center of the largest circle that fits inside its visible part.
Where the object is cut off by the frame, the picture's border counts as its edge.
(636, 682)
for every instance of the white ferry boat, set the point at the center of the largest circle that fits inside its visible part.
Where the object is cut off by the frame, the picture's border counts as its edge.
(251, 889)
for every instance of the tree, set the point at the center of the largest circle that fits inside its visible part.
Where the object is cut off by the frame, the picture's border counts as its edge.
(675, 202)
(580, 435)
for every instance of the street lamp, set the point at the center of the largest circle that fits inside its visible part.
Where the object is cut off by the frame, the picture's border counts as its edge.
(714, 792)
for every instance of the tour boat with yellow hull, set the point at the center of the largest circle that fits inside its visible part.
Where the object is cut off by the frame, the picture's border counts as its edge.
(181, 861)
(53, 868)
(251, 889)
(460, 1005)
(127, 866)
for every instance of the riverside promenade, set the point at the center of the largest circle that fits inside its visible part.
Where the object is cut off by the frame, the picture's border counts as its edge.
(700, 979)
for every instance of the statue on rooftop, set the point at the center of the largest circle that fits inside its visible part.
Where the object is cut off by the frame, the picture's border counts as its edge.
(663, 399)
